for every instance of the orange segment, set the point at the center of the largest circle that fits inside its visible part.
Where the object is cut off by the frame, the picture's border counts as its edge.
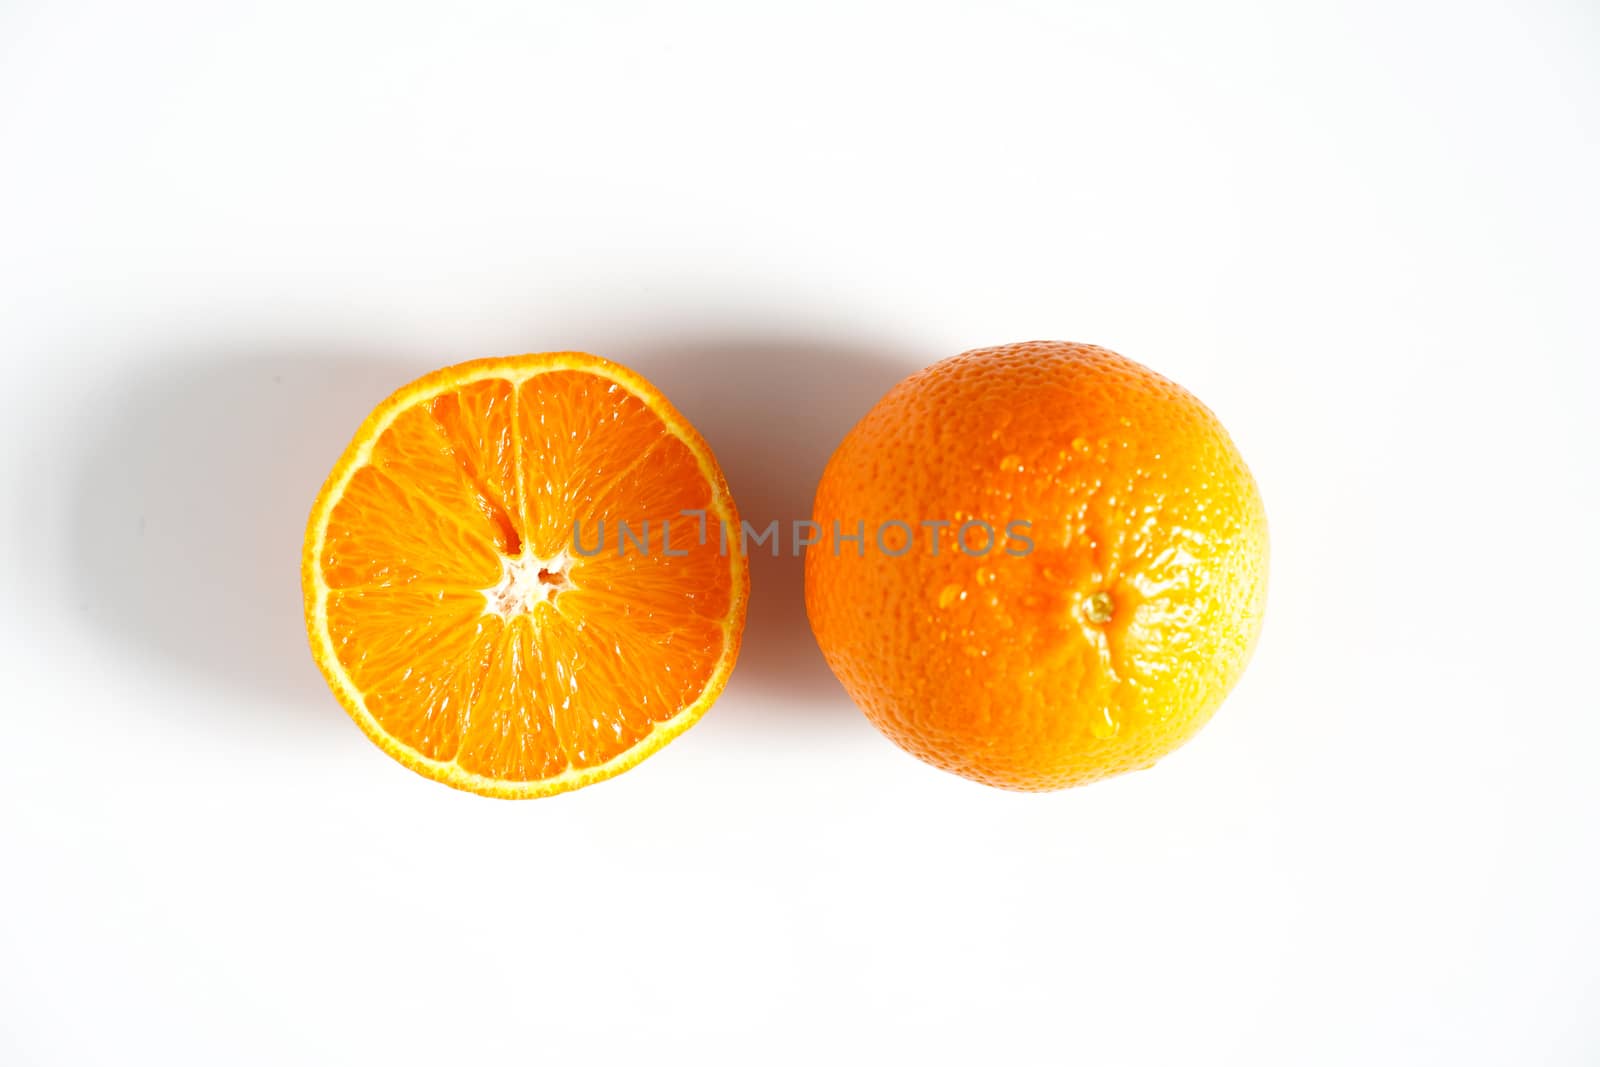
(471, 598)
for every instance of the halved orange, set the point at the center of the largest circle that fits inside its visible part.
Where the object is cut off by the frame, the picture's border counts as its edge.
(524, 575)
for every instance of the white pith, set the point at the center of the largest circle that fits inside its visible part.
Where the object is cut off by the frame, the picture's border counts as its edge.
(525, 582)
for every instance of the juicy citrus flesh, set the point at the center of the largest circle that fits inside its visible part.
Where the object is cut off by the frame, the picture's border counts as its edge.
(470, 598)
(1099, 651)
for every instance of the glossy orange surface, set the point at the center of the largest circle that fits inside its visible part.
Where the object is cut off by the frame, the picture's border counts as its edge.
(1096, 640)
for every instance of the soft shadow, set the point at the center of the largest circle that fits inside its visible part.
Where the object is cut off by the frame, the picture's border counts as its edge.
(773, 408)
(190, 510)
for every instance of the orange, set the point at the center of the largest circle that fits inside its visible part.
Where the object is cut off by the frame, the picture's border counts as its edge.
(475, 605)
(1108, 610)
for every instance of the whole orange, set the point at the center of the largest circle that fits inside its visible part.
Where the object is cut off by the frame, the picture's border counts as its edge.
(1039, 565)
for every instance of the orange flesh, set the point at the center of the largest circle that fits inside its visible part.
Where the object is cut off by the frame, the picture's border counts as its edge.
(469, 626)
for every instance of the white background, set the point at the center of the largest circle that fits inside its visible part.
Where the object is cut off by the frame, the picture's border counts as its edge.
(1364, 234)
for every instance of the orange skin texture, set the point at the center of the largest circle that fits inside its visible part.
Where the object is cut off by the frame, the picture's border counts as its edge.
(1102, 649)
